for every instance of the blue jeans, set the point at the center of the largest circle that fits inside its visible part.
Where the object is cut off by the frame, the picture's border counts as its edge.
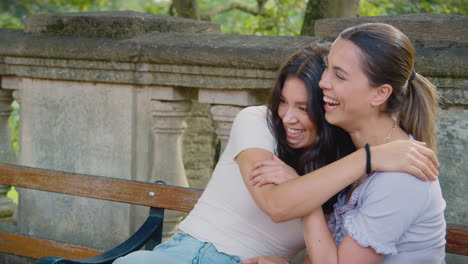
(181, 248)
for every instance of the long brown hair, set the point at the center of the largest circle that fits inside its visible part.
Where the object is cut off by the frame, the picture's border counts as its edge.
(332, 143)
(389, 59)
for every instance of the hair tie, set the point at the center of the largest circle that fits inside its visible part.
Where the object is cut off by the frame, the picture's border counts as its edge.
(413, 75)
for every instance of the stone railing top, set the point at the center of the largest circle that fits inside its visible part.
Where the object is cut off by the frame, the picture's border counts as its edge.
(422, 29)
(221, 50)
(117, 24)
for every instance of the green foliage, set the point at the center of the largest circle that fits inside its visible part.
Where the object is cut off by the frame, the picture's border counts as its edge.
(160, 7)
(13, 195)
(394, 7)
(233, 21)
(13, 124)
(285, 17)
(13, 12)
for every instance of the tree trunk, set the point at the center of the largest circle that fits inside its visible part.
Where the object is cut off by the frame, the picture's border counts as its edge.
(186, 8)
(319, 9)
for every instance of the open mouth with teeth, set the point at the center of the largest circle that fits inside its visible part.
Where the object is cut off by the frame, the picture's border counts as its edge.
(294, 136)
(295, 131)
(330, 103)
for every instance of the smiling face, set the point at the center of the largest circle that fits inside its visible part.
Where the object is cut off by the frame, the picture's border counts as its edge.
(347, 92)
(300, 130)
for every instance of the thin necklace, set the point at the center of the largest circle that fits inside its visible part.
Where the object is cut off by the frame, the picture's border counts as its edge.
(386, 139)
(390, 133)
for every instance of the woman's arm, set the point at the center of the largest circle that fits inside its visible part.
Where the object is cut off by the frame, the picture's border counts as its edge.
(321, 247)
(300, 196)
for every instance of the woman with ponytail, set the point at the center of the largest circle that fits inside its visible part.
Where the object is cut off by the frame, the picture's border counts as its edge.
(372, 91)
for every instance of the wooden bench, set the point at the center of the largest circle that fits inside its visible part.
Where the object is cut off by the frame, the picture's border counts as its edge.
(131, 192)
(154, 195)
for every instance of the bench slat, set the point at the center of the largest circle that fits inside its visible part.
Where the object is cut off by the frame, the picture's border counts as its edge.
(36, 248)
(133, 192)
(457, 239)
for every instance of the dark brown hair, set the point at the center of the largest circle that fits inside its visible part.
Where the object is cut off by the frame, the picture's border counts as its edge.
(332, 143)
(388, 58)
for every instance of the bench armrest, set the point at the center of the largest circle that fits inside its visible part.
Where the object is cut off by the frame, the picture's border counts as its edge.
(150, 230)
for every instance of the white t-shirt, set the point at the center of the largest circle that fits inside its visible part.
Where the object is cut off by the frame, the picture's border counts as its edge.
(226, 214)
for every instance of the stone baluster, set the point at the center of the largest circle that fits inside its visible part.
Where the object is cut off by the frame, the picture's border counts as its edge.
(7, 154)
(225, 104)
(224, 116)
(169, 126)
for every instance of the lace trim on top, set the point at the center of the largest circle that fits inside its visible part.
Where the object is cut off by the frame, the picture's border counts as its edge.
(341, 222)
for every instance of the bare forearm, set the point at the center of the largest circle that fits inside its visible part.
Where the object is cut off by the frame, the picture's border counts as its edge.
(321, 247)
(306, 193)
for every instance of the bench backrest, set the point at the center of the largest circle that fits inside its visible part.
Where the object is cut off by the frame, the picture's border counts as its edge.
(132, 192)
(103, 188)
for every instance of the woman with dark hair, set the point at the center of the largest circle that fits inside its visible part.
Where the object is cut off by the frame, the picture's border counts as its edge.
(329, 143)
(234, 220)
(372, 91)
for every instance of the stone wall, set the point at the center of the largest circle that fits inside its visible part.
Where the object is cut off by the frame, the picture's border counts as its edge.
(153, 98)
(200, 145)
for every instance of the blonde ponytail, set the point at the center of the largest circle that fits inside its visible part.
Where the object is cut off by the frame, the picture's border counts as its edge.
(418, 114)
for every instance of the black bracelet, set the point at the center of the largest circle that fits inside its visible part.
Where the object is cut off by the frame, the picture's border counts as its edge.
(368, 162)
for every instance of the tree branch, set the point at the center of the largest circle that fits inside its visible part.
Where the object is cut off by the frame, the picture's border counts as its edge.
(230, 6)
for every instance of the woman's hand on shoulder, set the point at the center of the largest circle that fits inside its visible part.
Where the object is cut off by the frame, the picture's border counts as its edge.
(271, 171)
(270, 259)
(408, 156)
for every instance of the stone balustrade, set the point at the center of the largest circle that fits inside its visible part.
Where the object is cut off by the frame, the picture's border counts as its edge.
(7, 207)
(152, 102)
